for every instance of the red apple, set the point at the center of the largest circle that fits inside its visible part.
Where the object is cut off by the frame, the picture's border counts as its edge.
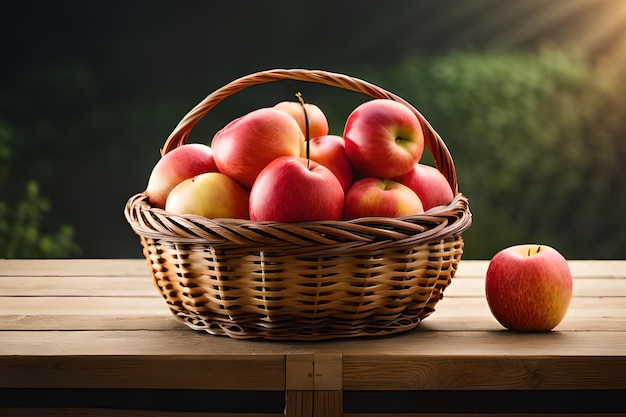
(247, 144)
(528, 287)
(375, 197)
(330, 151)
(430, 185)
(318, 124)
(384, 138)
(184, 162)
(213, 195)
(294, 189)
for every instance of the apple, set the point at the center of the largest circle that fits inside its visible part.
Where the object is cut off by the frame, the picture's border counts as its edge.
(383, 138)
(295, 189)
(184, 162)
(247, 144)
(212, 195)
(528, 287)
(318, 124)
(430, 185)
(330, 151)
(375, 197)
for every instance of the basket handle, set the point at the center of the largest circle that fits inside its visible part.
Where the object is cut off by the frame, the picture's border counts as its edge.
(432, 140)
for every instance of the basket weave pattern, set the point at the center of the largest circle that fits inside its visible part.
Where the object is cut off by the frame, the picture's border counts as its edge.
(309, 280)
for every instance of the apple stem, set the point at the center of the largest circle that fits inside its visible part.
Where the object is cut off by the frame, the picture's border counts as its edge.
(306, 127)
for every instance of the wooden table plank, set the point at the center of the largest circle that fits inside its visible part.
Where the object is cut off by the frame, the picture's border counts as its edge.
(109, 412)
(77, 286)
(84, 277)
(579, 268)
(93, 286)
(158, 322)
(582, 287)
(79, 313)
(144, 287)
(82, 305)
(157, 371)
(599, 307)
(510, 372)
(175, 342)
(419, 360)
(134, 321)
(74, 267)
(476, 414)
(138, 267)
(184, 342)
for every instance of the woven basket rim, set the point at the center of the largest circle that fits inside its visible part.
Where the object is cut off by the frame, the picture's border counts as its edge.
(314, 238)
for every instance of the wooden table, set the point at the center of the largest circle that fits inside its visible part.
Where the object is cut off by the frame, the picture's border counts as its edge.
(93, 337)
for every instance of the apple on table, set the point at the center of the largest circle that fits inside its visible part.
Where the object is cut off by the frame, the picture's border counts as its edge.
(528, 287)
(183, 162)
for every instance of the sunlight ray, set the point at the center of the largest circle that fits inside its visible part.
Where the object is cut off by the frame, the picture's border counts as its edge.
(608, 27)
(553, 14)
(499, 18)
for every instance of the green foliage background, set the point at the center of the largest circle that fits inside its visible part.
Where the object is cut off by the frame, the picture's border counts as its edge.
(537, 144)
(536, 133)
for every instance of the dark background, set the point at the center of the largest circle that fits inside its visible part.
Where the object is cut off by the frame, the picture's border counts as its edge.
(91, 89)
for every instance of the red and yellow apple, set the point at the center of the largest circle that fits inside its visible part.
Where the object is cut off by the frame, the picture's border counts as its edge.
(318, 124)
(184, 162)
(330, 151)
(430, 185)
(375, 197)
(384, 138)
(247, 144)
(212, 195)
(294, 189)
(528, 287)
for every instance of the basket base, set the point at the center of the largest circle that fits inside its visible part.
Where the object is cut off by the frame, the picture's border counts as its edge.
(260, 295)
(253, 327)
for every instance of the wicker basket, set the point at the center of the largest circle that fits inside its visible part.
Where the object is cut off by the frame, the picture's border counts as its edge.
(302, 281)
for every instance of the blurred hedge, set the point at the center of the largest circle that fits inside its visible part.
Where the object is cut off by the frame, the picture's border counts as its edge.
(538, 143)
(22, 224)
(537, 138)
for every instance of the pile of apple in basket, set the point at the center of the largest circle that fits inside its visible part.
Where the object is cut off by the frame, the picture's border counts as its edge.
(281, 164)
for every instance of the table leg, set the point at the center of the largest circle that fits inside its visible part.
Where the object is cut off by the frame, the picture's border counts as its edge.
(299, 404)
(328, 403)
